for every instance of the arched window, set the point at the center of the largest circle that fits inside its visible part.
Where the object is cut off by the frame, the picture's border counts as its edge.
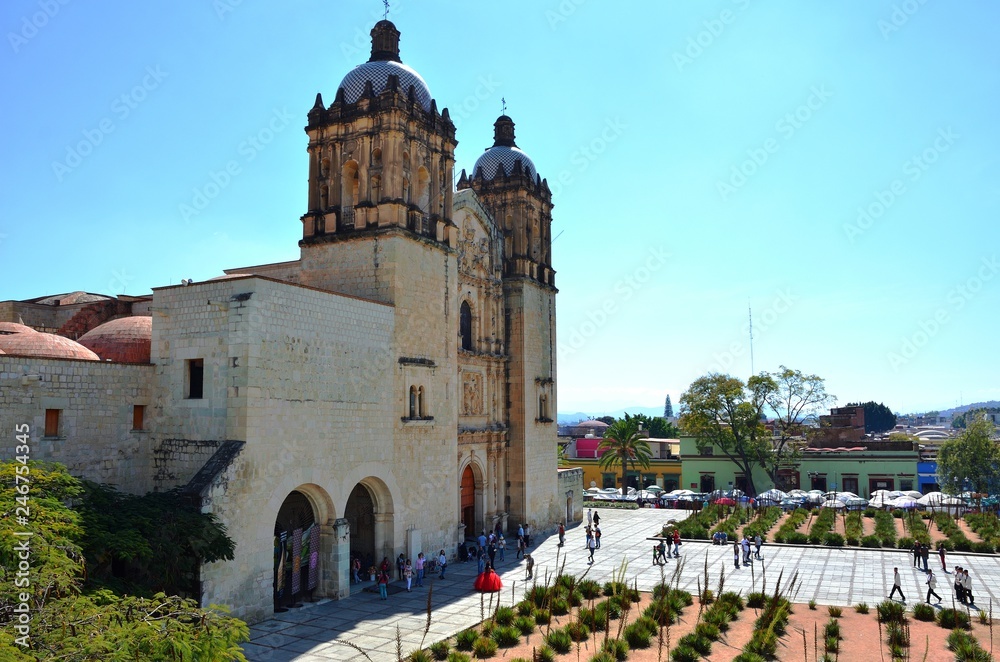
(349, 193)
(413, 402)
(376, 157)
(465, 325)
(543, 407)
(421, 411)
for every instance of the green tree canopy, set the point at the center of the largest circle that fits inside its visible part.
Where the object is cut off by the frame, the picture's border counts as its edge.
(878, 417)
(657, 427)
(796, 400)
(69, 622)
(623, 445)
(606, 419)
(721, 411)
(972, 461)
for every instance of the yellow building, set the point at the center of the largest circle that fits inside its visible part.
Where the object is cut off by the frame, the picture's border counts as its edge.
(664, 466)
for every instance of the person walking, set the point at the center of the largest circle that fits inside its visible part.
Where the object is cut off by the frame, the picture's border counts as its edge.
(931, 585)
(408, 575)
(482, 544)
(481, 559)
(597, 536)
(529, 569)
(501, 545)
(736, 554)
(591, 545)
(520, 546)
(746, 550)
(597, 519)
(925, 555)
(562, 534)
(442, 563)
(959, 589)
(916, 554)
(491, 551)
(527, 536)
(590, 517)
(400, 564)
(944, 568)
(897, 585)
(419, 567)
(677, 543)
(757, 541)
(383, 585)
(586, 542)
(967, 587)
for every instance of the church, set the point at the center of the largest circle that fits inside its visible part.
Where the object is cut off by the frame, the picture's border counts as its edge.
(391, 391)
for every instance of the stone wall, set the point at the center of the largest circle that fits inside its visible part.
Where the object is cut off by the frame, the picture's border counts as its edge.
(96, 399)
(570, 490)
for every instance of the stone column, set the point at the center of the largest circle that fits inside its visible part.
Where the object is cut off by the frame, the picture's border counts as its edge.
(335, 546)
(383, 536)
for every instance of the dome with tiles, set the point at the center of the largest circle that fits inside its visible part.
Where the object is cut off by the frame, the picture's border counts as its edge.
(504, 153)
(45, 345)
(126, 339)
(6, 328)
(385, 62)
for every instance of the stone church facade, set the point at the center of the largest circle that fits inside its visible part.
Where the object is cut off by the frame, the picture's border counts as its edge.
(392, 391)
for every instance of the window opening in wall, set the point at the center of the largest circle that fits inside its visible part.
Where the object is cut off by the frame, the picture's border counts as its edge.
(195, 379)
(421, 411)
(465, 325)
(138, 416)
(52, 422)
(413, 402)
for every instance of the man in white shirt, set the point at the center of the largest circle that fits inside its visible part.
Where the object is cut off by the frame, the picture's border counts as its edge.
(931, 585)
(442, 562)
(897, 585)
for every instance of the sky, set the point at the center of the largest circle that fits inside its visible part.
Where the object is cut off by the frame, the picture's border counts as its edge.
(832, 167)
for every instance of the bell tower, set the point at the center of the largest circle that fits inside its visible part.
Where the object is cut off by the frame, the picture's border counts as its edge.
(506, 182)
(381, 160)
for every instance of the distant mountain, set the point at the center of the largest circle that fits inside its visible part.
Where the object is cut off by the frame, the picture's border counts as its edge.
(965, 408)
(576, 417)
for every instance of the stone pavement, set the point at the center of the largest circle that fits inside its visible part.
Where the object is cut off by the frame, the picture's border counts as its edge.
(829, 575)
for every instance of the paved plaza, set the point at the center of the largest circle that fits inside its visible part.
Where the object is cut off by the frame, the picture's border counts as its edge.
(829, 575)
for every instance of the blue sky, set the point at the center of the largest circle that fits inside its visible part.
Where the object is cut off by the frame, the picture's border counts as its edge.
(832, 165)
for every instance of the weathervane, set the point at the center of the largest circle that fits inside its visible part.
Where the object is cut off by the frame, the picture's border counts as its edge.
(385, 14)
(504, 108)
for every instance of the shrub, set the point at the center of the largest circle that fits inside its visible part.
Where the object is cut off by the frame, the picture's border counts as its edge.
(648, 623)
(578, 631)
(831, 645)
(602, 656)
(897, 635)
(756, 599)
(545, 654)
(706, 597)
(456, 656)
(983, 547)
(952, 619)
(465, 639)
(871, 541)
(835, 611)
(685, 654)
(524, 625)
(575, 598)
(616, 648)
(833, 540)
(701, 645)
(559, 641)
(506, 636)
(637, 635)
(924, 612)
(537, 595)
(589, 589)
(719, 618)
(560, 606)
(832, 629)
(749, 657)
(660, 611)
(484, 647)
(861, 607)
(614, 588)
(905, 543)
(542, 617)
(797, 538)
(958, 638)
(763, 643)
(733, 599)
(707, 630)
(440, 650)
(890, 612)
(419, 656)
(812, 604)
(486, 629)
(504, 616)
(525, 608)
(984, 618)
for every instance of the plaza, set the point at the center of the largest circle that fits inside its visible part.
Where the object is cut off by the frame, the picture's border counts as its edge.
(829, 575)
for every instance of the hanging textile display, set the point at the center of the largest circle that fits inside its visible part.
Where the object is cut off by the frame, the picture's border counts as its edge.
(313, 556)
(279, 563)
(296, 561)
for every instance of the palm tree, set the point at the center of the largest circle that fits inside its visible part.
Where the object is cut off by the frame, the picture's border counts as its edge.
(622, 444)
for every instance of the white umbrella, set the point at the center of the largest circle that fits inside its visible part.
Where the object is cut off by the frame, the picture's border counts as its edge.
(833, 503)
(931, 498)
(654, 488)
(913, 493)
(879, 501)
(798, 493)
(903, 502)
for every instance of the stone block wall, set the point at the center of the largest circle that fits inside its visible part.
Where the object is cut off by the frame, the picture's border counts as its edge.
(96, 401)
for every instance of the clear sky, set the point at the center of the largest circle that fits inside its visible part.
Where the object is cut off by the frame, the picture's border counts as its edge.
(833, 165)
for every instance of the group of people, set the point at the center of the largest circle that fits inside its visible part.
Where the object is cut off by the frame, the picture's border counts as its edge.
(922, 553)
(742, 548)
(593, 531)
(963, 584)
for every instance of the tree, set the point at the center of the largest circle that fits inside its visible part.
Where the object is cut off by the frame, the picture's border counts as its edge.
(657, 427)
(723, 413)
(605, 419)
(622, 445)
(668, 408)
(970, 462)
(796, 402)
(878, 417)
(69, 622)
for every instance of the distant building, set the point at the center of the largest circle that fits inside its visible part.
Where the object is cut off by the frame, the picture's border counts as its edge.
(842, 424)
(664, 467)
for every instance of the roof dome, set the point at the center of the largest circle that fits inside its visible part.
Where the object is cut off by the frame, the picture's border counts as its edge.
(592, 424)
(126, 339)
(72, 298)
(503, 153)
(385, 62)
(13, 327)
(45, 345)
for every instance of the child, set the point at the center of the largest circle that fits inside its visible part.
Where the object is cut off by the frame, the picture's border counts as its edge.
(408, 574)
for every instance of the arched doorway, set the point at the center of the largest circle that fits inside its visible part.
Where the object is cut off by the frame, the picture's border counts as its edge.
(296, 551)
(468, 491)
(360, 515)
